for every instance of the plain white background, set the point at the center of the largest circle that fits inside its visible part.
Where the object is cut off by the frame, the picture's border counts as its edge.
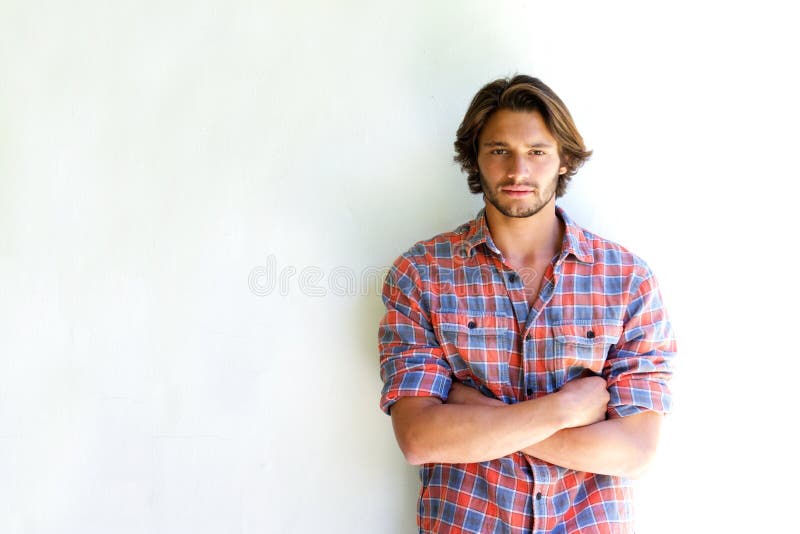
(195, 199)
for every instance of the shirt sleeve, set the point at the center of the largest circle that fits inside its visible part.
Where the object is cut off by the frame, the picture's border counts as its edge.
(411, 361)
(640, 364)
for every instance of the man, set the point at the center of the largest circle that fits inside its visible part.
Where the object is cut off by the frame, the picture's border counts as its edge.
(524, 358)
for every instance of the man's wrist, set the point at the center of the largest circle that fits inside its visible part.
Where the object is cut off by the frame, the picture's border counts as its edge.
(563, 411)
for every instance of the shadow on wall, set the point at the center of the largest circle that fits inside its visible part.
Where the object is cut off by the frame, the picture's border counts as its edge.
(402, 479)
(416, 192)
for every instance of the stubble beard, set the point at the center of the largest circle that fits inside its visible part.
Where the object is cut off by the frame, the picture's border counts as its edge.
(518, 211)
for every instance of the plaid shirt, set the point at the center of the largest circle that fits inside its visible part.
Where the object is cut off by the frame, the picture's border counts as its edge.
(456, 311)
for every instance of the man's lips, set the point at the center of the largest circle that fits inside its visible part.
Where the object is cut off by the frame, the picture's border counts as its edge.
(516, 191)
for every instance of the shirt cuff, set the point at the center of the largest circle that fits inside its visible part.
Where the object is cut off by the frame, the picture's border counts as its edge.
(414, 376)
(633, 396)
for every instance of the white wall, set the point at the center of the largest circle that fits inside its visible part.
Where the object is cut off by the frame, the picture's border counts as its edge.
(158, 160)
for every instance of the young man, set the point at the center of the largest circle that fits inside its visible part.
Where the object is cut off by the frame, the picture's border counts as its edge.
(525, 359)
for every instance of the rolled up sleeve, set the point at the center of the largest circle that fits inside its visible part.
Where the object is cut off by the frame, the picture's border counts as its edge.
(640, 366)
(411, 360)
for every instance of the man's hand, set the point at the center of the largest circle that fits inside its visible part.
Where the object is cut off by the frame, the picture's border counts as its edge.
(585, 400)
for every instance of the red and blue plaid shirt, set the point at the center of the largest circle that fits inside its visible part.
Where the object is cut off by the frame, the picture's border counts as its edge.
(457, 311)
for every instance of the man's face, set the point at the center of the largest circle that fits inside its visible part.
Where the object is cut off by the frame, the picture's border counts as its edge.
(519, 163)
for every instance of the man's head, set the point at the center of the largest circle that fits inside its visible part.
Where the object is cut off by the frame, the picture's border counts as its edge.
(525, 94)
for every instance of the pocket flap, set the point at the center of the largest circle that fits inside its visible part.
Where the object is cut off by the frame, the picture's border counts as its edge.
(587, 333)
(473, 326)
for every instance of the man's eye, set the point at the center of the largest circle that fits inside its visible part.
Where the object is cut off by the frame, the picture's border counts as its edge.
(499, 151)
(537, 152)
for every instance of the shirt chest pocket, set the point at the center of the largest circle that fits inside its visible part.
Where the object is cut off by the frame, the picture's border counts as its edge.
(477, 348)
(584, 345)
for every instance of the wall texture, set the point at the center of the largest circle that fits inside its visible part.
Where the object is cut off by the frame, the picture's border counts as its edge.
(198, 201)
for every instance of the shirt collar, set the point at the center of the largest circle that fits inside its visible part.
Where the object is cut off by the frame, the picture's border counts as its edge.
(479, 233)
(575, 241)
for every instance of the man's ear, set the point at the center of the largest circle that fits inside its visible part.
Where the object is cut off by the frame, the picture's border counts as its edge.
(564, 162)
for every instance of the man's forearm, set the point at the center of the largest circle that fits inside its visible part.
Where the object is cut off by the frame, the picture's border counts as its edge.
(623, 446)
(463, 431)
(429, 431)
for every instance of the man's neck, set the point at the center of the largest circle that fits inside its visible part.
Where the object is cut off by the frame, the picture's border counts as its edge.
(526, 239)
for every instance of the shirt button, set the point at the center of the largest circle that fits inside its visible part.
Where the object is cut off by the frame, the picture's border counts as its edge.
(512, 278)
(471, 324)
(539, 496)
(590, 334)
(528, 337)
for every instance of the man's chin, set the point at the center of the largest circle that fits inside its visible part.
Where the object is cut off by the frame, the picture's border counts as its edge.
(517, 212)
(521, 214)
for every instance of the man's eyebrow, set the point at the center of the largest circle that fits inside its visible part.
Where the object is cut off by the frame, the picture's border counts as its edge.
(541, 144)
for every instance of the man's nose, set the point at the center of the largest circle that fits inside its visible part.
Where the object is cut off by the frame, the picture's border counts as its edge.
(518, 167)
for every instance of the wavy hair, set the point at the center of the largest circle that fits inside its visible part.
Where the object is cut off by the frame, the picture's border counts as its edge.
(519, 93)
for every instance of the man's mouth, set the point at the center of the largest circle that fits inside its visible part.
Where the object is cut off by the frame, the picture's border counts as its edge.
(516, 191)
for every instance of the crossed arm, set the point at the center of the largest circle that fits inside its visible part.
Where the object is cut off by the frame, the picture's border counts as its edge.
(566, 428)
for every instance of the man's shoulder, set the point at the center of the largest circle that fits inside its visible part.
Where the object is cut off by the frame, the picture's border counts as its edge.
(441, 247)
(607, 252)
(424, 260)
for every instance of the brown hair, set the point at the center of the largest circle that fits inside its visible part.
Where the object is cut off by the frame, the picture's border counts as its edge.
(520, 93)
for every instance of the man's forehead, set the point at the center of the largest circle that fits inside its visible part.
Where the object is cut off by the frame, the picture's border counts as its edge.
(505, 126)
